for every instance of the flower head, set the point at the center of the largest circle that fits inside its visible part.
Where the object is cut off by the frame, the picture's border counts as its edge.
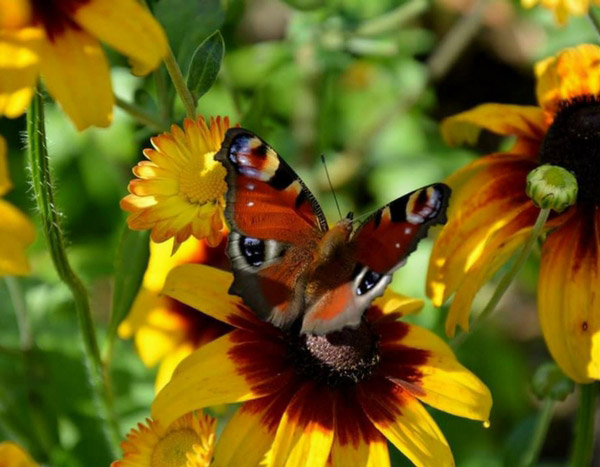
(188, 442)
(59, 39)
(13, 455)
(314, 400)
(563, 8)
(165, 330)
(180, 190)
(16, 231)
(490, 215)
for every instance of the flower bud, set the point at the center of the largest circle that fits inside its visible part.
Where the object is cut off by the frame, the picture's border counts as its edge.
(552, 187)
(549, 382)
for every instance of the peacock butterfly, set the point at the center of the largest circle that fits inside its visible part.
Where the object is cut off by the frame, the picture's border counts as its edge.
(288, 265)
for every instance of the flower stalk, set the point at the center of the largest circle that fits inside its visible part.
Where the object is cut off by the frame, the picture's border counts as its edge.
(43, 190)
(539, 435)
(583, 447)
(180, 86)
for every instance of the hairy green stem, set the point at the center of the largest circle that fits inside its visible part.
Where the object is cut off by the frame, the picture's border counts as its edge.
(180, 86)
(141, 115)
(508, 277)
(43, 190)
(583, 446)
(539, 435)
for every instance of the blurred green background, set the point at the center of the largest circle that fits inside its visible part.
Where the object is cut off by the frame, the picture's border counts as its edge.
(357, 81)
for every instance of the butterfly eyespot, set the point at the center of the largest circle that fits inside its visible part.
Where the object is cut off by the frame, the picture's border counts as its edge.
(253, 250)
(369, 280)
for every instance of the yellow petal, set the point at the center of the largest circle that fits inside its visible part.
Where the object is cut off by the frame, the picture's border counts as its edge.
(209, 376)
(392, 302)
(568, 296)
(443, 382)
(525, 121)
(13, 455)
(169, 363)
(127, 27)
(16, 234)
(368, 454)
(5, 184)
(204, 288)
(409, 427)
(305, 434)
(76, 73)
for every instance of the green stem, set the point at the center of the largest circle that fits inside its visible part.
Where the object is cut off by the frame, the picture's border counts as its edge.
(392, 20)
(583, 447)
(18, 301)
(508, 277)
(141, 115)
(593, 16)
(43, 190)
(539, 436)
(180, 86)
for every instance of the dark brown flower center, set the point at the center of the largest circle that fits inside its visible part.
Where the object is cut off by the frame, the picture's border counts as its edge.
(54, 15)
(336, 359)
(573, 142)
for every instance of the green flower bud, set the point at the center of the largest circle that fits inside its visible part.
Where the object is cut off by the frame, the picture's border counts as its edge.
(549, 382)
(552, 187)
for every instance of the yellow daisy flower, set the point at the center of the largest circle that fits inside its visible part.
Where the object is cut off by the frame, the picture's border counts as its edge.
(310, 400)
(16, 231)
(59, 39)
(180, 190)
(13, 455)
(563, 8)
(165, 330)
(490, 215)
(188, 442)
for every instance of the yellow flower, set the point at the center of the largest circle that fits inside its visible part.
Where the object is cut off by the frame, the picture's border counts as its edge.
(165, 330)
(59, 39)
(310, 400)
(16, 231)
(180, 190)
(490, 215)
(188, 442)
(563, 8)
(13, 455)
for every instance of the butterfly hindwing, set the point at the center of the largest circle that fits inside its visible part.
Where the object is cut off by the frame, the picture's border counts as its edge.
(275, 222)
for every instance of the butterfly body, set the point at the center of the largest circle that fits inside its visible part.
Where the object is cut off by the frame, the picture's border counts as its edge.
(288, 264)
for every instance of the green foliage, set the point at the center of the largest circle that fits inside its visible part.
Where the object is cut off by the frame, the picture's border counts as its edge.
(205, 65)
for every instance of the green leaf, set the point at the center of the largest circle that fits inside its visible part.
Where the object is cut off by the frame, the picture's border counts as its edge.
(205, 64)
(130, 264)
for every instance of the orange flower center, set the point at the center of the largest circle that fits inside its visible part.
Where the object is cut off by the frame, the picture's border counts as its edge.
(172, 450)
(340, 358)
(55, 15)
(573, 142)
(203, 181)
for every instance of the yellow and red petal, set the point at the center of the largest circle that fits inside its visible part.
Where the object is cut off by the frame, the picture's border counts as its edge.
(573, 73)
(16, 234)
(237, 367)
(250, 433)
(487, 195)
(405, 423)
(527, 122)
(568, 300)
(305, 433)
(423, 364)
(76, 74)
(128, 27)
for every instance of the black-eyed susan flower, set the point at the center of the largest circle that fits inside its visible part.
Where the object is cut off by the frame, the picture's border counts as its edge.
(180, 190)
(490, 215)
(563, 8)
(13, 455)
(165, 330)
(314, 400)
(16, 231)
(59, 40)
(188, 442)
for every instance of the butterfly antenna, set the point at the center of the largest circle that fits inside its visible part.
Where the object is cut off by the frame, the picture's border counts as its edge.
(337, 205)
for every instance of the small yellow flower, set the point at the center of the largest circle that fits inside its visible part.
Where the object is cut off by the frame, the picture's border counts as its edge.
(490, 215)
(188, 442)
(13, 455)
(563, 8)
(59, 39)
(16, 231)
(180, 190)
(166, 331)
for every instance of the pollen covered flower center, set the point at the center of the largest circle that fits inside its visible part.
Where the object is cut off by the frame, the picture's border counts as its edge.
(203, 181)
(172, 450)
(573, 142)
(342, 357)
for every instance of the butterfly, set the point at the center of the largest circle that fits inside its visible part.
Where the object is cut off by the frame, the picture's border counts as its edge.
(288, 265)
